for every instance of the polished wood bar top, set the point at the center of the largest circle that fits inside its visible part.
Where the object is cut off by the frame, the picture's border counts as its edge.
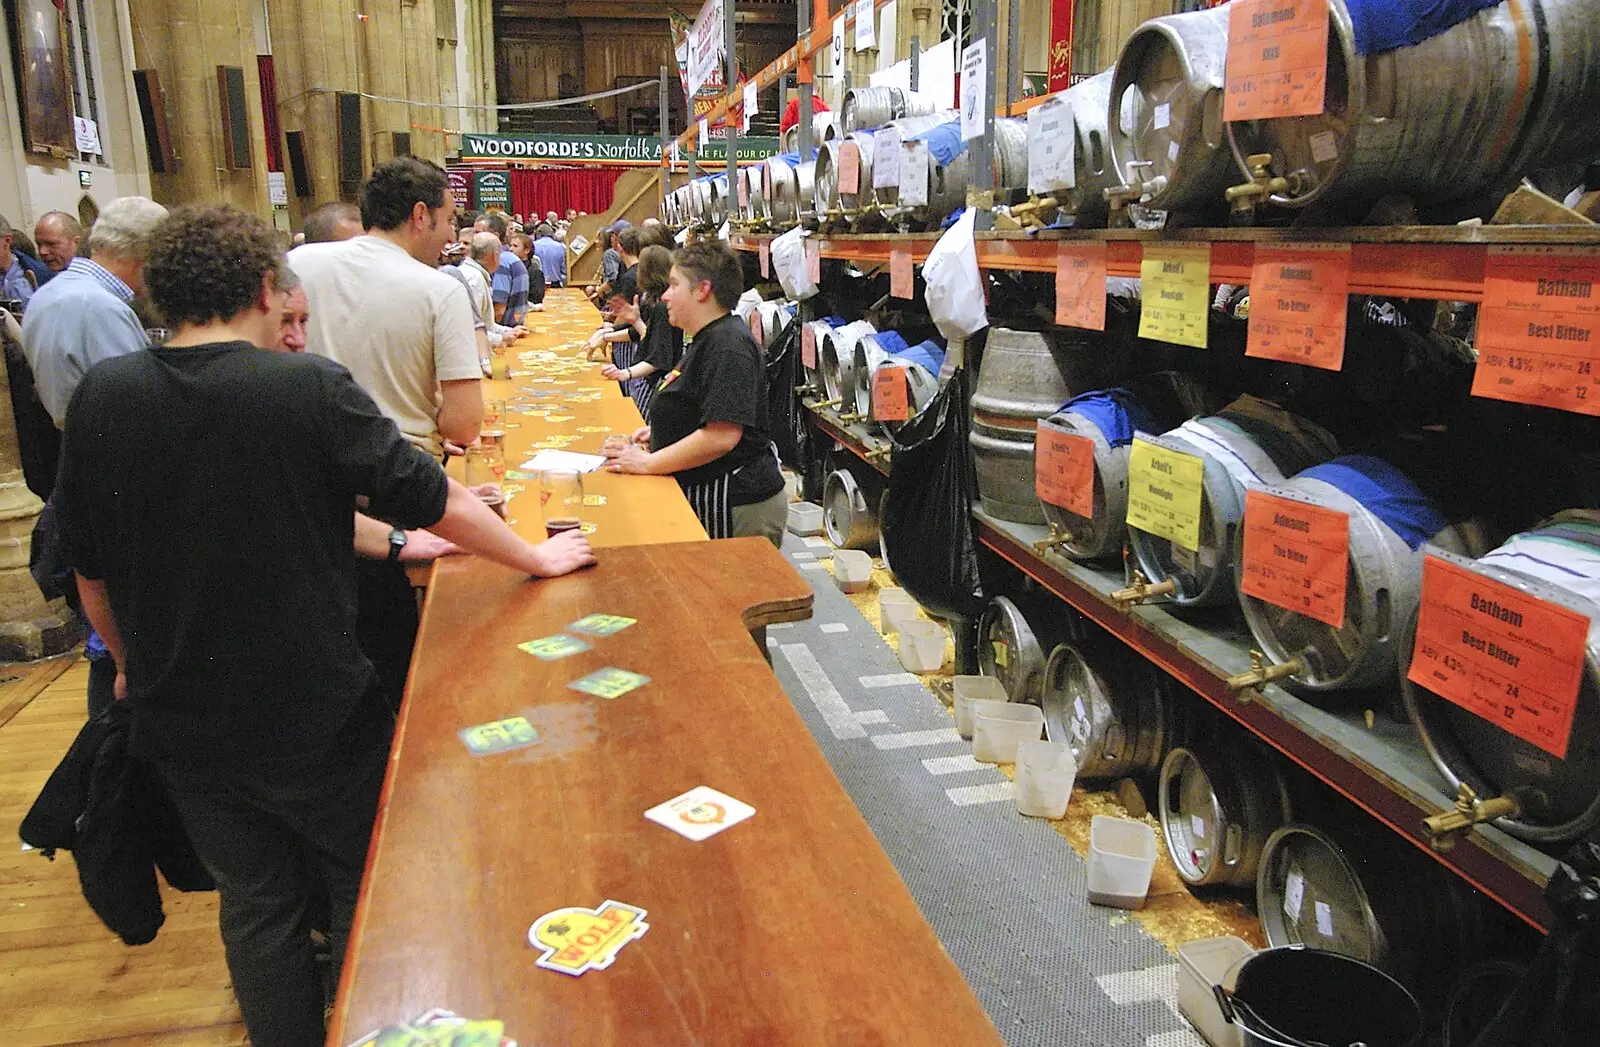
(637, 508)
(789, 928)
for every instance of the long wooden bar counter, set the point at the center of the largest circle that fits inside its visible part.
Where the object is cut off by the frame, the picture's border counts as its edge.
(789, 928)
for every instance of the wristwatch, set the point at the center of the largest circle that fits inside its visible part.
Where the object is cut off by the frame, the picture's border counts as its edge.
(397, 542)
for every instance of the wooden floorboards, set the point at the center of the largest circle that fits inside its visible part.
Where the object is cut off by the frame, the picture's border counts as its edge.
(64, 978)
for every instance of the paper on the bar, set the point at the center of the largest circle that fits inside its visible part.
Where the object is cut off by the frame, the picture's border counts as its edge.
(570, 461)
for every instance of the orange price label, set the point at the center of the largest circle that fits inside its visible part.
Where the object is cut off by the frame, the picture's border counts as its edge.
(889, 401)
(1081, 285)
(849, 168)
(1296, 556)
(1063, 469)
(1277, 58)
(1539, 328)
(744, 191)
(813, 261)
(1498, 652)
(901, 283)
(1298, 298)
(808, 347)
(766, 259)
(755, 326)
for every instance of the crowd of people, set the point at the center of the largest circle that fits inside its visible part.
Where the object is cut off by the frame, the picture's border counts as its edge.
(237, 498)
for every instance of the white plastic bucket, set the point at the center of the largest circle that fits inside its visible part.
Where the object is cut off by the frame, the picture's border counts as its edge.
(1045, 771)
(921, 645)
(852, 570)
(805, 519)
(997, 728)
(895, 606)
(969, 691)
(1122, 857)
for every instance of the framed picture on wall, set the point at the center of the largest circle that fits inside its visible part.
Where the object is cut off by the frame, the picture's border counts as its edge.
(45, 85)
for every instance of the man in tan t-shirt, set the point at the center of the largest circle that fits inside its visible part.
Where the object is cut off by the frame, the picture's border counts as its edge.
(381, 308)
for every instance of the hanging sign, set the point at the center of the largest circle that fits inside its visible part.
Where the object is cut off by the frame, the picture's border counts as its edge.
(866, 28)
(849, 168)
(1164, 489)
(1063, 472)
(1498, 652)
(901, 281)
(1298, 297)
(492, 190)
(1052, 144)
(1277, 61)
(974, 89)
(749, 106)
(706, 42)
(889, 402)
(1081, 284)
(1296, 556)
(837, 53)
(1539, 328)
(1176, 282)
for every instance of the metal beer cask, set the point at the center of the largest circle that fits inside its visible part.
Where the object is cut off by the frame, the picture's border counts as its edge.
(1093, 171)
(836, 346)
(1217, 808)
(1390, 519)
(847, 516)
(867, 107)
(1024, 377)
(1169, 147)
(1557, 799)
(1010, 651)
(1105, 700)
(1461, 115)
(888, 138)
(1250, 442)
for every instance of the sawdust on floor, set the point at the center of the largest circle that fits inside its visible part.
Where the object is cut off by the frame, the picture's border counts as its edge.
(1172, 914)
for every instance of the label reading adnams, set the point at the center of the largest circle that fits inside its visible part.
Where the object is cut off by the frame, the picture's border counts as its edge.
(1298, 297)
(1164, 492)
(1539, 328)
(1511, 658)
(1064, 469)
(1296, 556)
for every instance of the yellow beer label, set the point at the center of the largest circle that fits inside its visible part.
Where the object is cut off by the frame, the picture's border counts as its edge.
(575, 940)
(1176, 293)
(1164, 492)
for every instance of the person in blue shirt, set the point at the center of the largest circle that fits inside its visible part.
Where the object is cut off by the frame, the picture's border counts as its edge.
(552, 254)
(20, 275)
(510, 283)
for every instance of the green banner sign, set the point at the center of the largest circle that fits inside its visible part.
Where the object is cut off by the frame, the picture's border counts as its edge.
(492, 189)
(599, 149)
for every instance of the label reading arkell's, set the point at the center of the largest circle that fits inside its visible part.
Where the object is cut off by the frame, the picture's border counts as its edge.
(1177, 293)
(1164, 492)
(1511, 658)
(1296, 556)
(1539, 328)
(1064, 469)
(1081, 284)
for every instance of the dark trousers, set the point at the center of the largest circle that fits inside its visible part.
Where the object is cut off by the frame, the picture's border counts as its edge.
(267, 834)
(102, 684)
(386, 625)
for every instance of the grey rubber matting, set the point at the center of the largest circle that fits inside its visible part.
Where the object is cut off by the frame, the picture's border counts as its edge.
(1004, 893)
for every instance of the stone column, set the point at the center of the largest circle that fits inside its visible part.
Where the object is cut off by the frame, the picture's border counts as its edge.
(31, 627)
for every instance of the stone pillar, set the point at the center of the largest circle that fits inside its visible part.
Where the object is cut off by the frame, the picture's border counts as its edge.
(30, 626)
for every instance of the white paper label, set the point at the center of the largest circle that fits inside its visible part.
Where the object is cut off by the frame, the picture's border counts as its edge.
(705, 136)
(914, 168)
(1080, 722)
(974, 89)
(1197, 825)
(87, 134)
(1163, 116)
(1324, 919)
(700, 813)
(886, 159)
(1172, 151)
(277, 189)
(749, 104)
(866, 35)
(1294, 894)
(1324, 147)
(1051, 145)
(837, 54)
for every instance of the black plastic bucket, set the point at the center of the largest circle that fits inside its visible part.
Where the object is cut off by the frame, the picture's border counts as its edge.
(1297, 997)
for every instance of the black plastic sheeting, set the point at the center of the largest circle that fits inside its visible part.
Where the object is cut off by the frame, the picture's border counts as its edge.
(927, 515)
(785, 413)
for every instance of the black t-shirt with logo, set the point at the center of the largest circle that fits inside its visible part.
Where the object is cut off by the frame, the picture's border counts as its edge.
(721, 378)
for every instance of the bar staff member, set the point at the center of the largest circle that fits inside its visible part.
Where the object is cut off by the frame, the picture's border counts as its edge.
(708, 420)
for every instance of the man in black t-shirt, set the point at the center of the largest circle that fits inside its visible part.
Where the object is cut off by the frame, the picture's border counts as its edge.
(708, 419)
(206, 497)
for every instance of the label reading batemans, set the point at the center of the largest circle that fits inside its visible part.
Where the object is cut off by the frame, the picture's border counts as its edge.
(1164, 489)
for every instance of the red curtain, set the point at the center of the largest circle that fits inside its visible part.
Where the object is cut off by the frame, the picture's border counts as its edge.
(586, 189)
(269, 110)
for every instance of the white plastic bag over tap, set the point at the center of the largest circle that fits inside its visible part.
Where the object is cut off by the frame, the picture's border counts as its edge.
(955, 287)
(789, 262)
